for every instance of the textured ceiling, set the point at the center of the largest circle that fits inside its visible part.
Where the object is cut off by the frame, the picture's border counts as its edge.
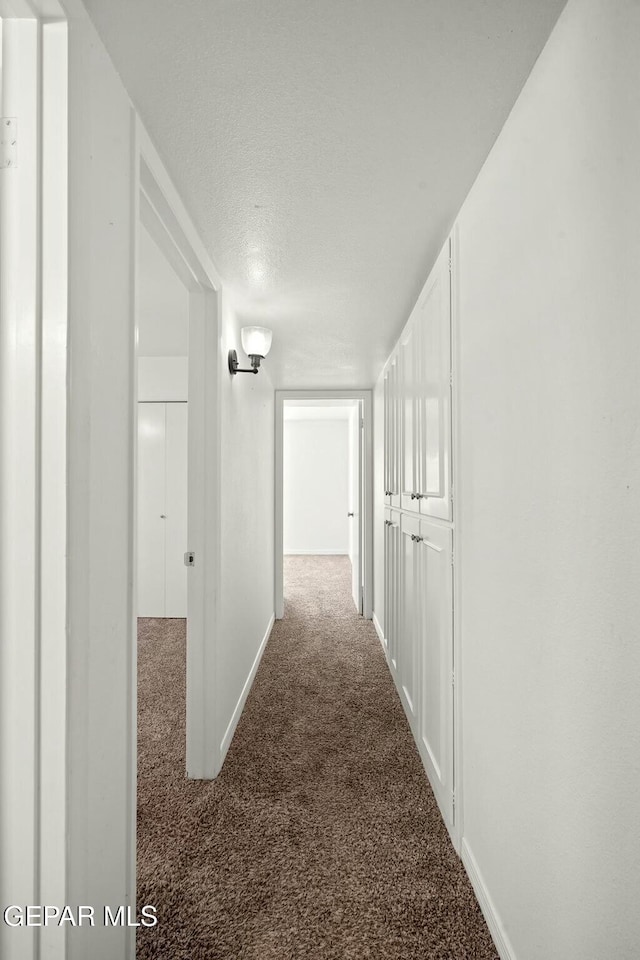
(323, 148)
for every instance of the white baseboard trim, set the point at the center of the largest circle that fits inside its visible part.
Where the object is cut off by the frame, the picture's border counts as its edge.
(496, 928)
(379, 629)
(242, 699)
(316, 553)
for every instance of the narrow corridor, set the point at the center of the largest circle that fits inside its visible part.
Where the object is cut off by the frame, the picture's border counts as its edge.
(320, 839)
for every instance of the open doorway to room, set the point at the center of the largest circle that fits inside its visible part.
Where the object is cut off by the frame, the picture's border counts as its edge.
(162, 532)
(176, 520)
(323, 501)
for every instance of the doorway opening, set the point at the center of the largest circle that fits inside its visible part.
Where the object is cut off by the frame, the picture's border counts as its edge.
(162, 310)
(177, 458)
(323, 501)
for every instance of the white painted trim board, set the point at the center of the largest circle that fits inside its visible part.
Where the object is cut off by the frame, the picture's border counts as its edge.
(490, 913)
(379, 631)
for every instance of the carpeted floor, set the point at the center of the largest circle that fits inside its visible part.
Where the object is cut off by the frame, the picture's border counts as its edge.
(321, 838)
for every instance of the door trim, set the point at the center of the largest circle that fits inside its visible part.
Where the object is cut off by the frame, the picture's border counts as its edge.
(162, 213)
(367, 488)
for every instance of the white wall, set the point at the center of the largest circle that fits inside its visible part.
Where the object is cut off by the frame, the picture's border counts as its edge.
(247, 548)
(163, 378)
(547, 501)
(315, 486)
(162, 304)
(549, 498)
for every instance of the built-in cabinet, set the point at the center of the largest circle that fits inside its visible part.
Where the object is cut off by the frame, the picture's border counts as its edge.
(418, 528)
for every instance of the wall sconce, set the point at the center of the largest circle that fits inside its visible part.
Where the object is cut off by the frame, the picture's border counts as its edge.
(256, 343)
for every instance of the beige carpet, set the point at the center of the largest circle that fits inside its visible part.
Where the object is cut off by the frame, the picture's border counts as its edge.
(321, 838)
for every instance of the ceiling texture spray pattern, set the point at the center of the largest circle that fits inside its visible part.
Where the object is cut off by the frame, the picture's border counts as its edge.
(323, 148)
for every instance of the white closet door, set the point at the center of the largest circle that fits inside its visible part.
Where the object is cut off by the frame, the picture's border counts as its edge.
(151, 509)
(162, 509)
(391, 583)
(388, 457)
(434, 322)
(434, 616)
(396, 432)
(176, 510)
(409, 420)
(409, 633)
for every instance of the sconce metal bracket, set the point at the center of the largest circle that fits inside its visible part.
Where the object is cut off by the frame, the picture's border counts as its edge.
(234, 366)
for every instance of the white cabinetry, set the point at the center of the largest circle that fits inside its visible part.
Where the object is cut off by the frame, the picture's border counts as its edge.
(409, 637)
(392, 431)
(418, 535)
(418, 403)
(433, 394)
(392, 583)
(434, 600)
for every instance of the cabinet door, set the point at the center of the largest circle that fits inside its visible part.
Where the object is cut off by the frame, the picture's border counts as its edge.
(151, 509)
(409, 633)
(388, 443)
(433, 418)
(408, 420)
(435, 660)
(391, 583)
(395, 431)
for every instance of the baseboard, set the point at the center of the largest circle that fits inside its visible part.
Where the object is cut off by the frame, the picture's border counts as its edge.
(242, 699)
(496, 928)
(379, 630)
(315, 553)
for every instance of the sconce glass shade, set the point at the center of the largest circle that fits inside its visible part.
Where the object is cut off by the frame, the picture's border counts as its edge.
(256, 341)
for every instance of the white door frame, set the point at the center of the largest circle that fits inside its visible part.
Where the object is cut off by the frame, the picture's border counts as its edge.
(367, 486)
(163, 216)
(33, 514)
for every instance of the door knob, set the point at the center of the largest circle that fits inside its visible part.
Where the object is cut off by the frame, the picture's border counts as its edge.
(163, 516)
(349, 514)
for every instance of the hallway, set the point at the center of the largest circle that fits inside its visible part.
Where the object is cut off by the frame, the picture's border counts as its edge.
(320, 838)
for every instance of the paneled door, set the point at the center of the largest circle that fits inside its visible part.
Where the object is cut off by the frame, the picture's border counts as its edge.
(433, 393)
(162, 509)
(434, 593)
(408, 622)
(408, 386)
(391, 583)
(388, 461)
(392, 450)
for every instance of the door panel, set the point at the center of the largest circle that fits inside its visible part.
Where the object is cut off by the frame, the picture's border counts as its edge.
(355, 497)
(409, 425)
(391, 583)
(435, 709)
(434, 322)
(408, 638)
(388, 461)
(176, 510)
(151, 508)
(395, 429)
